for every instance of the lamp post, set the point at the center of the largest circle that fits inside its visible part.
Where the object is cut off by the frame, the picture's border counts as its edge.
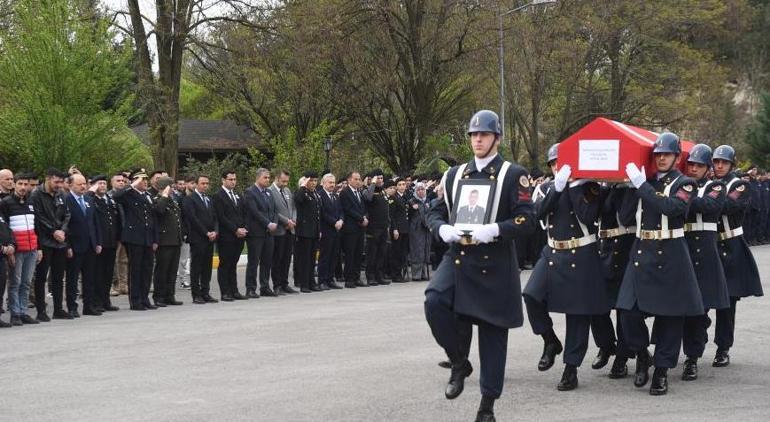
(328, 150)
(500, 16)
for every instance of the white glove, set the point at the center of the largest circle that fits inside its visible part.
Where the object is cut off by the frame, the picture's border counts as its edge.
(561, 177)
(486, 233)
(449, 234)
(637, 177)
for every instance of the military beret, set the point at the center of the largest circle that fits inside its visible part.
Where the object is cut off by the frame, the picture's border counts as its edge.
(98, 178)
(375, 173)
(388, 184)
(310, 174)
(138, 174)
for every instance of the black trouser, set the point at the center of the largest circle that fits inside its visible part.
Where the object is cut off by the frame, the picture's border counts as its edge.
(578, 327)
(668, 339)
(328, 257)
(353, 247)
(399, 251)
(453, 336)
(3, 279)
(227, 273)
(376, 243)
(54, 259)
(695, 335)
(282, 251)
(166, 265)
(140, 263)
(724, 331)
(81, 264)
(104, 268)
(200, 268)
(604, 335)
(304, 260)
(260, 255)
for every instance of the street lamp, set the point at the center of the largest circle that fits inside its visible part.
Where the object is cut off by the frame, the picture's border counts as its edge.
(327, 150)
(500, 16)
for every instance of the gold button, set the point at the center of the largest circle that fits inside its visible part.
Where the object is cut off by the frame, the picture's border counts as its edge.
(457, 262)
(697, 237)
(616, 265)
(550, 226)
(573, 251)
(615, 240)
(660, 267)
(696, 262)
(462, 252)
(636, 264)
(572, 212)
(553, 250)
(573, 265)
(491, 177)
(615, 252)
(486, 256)
(465, 177)
(483, 271)
(724, 253)
(697, 250)
(572, 226)
(660, 252)
(550, 263)
(639, 251)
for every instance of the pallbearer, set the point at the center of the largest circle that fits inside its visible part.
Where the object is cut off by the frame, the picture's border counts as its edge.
(478, 279)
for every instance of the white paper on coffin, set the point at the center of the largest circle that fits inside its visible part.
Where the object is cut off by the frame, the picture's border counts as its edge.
(599, 154)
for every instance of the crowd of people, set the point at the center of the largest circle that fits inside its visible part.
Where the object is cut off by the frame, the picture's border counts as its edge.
(71, 237)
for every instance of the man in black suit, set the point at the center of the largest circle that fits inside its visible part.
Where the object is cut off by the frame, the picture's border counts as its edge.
(331, 224)
(139, 237)
(378, 212)
(399, 232)
(170, 237)
(84, 244)
(308, 218)
(108, 220)
(353, 228)
(201, 223)
(229, 208)
(263, 222)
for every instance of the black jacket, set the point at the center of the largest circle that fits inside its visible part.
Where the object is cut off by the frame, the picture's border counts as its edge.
(260, 210)
(108, 219)
(399, 209)
(331, 212)
(139, 224)
(199, 218)
(50, 215)
(229, 216)
(377, 209)
(308, 213)
(354, 211)
(84, 235)
(169, 217)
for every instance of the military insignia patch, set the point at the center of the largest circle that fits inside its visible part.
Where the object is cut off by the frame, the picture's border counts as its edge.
(659, 194)
(688, 188)
(524, 181)
(717, 188)
(519, 219)
(741, 188)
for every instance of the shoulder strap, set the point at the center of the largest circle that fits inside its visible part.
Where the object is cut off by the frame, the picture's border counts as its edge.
(499, 189)
(448, 196)
(725, 220)
(701, 192)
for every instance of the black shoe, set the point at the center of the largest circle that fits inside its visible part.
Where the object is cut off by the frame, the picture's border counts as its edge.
(659, 386)
(643, 360)
(690, 371)
(227, 298)
(350, 285)
(400, 280)
(619, 368)
(111, 308)
(139, 307)
(198, 301)
(209, 299)
(74, 313)
(279, 292)
(305, 290)
(16, 321)
(150, 306)
(445, 364)
(323, 286)
(26, 319)
(485, 416)
(569, 379)
(550, 351)
(4, 324)
(92, 312)
(43, 317)
(334, 286)
(252, 294)
(457, 380)
(160, 304)
(721, 359)
(602, 358)
(383, 282)
(372, 283)
(239, 296)
(266, 291)
(62, 314)
(173, 302)
(362, 284)
(288, 290)
(315, 288)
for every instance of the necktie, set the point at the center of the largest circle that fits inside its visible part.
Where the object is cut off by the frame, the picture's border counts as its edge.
(283, 196)
(232, 198)
(82, 204)
(205, 200)
(358, 197)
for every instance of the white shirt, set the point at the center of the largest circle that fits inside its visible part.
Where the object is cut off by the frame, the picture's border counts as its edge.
(482, 162)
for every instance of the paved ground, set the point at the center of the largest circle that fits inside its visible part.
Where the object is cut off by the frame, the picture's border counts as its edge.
(363, 354)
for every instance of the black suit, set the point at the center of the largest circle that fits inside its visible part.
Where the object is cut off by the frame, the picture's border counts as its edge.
(376, 233)
(200, 219)
(331, 212)
(83, 239)
(260, 210)
(399, 248)
(230, 215)
(352, 233)
(108, 220)
(307, 231)
(170, 236)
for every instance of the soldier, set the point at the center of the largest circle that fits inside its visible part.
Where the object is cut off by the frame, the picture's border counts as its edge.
(701, 235)
(108, 220)
(399, 232)
(308, 231)
(661, 281)
(377, 211)
(564, 279)
(170, 238)
(477, 281)
(740, 268)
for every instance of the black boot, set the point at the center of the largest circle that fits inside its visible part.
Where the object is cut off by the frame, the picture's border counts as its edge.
(486, 411)
(619, 368)
(721, 359)
(569, 379)
(643, 360)
(690, 371)
(659, 386)
(457, 380)
(551, 348)
(602, 358)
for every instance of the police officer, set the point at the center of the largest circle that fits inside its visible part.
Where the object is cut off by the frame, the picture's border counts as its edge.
(660, 280)
(477, 280)
(740, 268)
(168, 215)
(564, 279)
(378, 211)
(701, 235)
(399, 232)
(108, 219)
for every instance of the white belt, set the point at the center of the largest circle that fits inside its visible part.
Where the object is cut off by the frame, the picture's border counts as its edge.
(572, 243)
(660, 234)
(618, 231)
(700, 227)
(729, 234)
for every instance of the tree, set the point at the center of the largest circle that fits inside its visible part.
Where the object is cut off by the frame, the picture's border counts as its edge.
(758, 135)
(64, 95)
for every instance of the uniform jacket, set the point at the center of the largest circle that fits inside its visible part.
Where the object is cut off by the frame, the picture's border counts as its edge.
(399, 213)
(614, 251)
(139, 225)
(377, 209)
(199, 218)
(170, 221)
(84, 232)
(108, 219)
(486, 276)
(308, 213)
(659, 277)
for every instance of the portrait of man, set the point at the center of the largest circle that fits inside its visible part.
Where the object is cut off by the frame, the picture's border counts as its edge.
(473, 212)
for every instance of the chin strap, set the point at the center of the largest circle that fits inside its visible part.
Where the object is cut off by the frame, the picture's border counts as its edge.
(497, 139)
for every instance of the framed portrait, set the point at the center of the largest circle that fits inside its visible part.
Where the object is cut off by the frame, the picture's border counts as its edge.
(472, 204)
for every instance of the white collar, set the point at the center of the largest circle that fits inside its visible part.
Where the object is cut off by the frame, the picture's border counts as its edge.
(662, 175)
(482, 162)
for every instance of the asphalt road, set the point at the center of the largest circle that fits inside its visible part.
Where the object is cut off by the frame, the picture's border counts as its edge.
(361, 354)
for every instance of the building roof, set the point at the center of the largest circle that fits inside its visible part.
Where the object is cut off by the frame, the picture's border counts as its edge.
(208, 135)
